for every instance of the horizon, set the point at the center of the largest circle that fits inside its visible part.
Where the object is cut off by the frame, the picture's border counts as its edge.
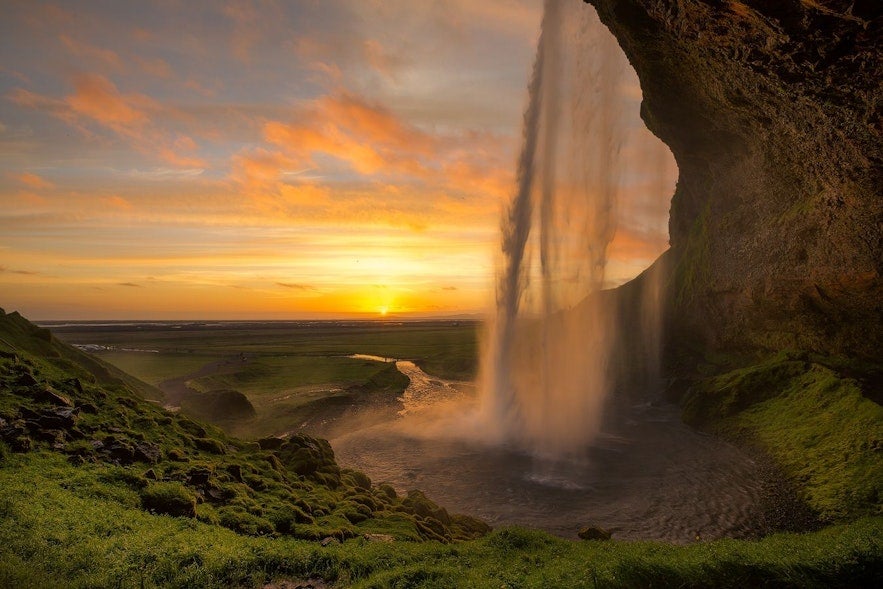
(277, 161)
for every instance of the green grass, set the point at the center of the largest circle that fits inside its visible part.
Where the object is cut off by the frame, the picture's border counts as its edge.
(280, 375)
(57, 531)
(155, 368)
(444, 349)
(293, 374)
(74, 513)
(816, 424)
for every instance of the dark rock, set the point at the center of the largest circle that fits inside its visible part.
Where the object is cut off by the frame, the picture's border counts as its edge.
(88, 408)
(26, 379)
(54, 418)
(235, 471)
(199, 476)
(270, 443)
(146, 452)
(328, 541)
(119, 452)
(594, 533)
(47, 395)
(21, 444)
(773, 117)
(75, 384)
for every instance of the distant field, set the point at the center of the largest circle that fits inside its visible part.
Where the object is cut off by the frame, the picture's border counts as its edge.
(289, 371)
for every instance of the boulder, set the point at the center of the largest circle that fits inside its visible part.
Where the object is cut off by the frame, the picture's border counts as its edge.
(594, 533)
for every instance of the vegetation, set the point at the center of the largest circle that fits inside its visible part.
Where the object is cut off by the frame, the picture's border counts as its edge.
(290, 373)
(99, 488)
(815, 423)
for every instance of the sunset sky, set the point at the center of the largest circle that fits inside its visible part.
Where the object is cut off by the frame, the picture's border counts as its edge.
(266, 159)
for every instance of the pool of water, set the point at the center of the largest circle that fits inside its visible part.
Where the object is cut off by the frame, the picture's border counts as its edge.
(648, 476)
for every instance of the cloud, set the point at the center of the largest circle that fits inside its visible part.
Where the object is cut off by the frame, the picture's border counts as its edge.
(156, 67)
(296, 286)
(5, 270)
(412, 170)
(129, 284)
(449, 288)
(97, 102)
(92, 54)
(32, 181)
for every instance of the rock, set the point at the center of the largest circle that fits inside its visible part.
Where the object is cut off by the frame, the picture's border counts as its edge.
(75, 384)
(198, 477)
(328, 541)
(63, 418)
(307, 456)
(151, 475)
(147, 452)
(47, 395)
(235, 471)
(385, 538)
(594, 533)
(26, 379)
(169, 498)
(270, 443)
(772, 114)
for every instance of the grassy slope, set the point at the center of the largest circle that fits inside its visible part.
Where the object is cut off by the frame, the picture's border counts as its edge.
(74, 516)
(815, 423)
(58, 529)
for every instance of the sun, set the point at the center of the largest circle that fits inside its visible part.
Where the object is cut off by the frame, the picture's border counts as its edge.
(383, 311)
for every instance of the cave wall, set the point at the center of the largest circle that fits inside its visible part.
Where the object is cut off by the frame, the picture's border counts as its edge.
(772, 111)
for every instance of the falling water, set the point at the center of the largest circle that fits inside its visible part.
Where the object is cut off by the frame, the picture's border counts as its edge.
(547, 370)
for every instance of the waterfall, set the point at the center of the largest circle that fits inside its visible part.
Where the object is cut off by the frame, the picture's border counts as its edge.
(546, 367)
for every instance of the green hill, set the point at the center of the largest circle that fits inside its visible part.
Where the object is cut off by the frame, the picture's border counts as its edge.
(101, 488)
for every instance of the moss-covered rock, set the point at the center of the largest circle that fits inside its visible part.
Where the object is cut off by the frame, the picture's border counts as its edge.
(170, 498)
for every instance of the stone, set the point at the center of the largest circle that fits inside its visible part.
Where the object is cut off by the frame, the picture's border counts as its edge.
(47, 395)
(384, 538)
(328, 541)
(594, 533)
(146, 452)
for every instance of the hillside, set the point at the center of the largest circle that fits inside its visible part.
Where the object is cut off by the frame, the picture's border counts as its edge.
(99, 487)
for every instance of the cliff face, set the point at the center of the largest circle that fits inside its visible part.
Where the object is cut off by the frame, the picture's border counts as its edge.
(772, 111)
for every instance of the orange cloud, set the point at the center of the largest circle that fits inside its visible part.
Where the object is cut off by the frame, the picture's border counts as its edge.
(32, 181)
(97, 100)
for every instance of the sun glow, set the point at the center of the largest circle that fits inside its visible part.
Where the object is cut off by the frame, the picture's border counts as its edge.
(383, 311)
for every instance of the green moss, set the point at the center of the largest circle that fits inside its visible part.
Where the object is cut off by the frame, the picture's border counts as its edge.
(169, 498)
(816, 424)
